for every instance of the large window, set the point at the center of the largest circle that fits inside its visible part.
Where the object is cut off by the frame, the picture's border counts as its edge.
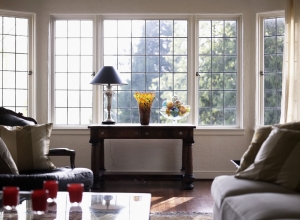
(271, 58)
(15, 62)
(153, 54)
(218, 73)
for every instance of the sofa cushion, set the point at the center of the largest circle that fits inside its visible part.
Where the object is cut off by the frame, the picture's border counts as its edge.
(7, 164)
(260, 135)
(226, 186)
(261, 206)
(29, 145)
(278, 160)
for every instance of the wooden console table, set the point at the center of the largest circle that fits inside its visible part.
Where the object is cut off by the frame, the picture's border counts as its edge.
(98, 133)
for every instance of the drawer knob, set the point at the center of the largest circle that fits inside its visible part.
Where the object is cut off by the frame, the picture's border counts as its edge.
(146, 133)
(180, 133)
(102, 132)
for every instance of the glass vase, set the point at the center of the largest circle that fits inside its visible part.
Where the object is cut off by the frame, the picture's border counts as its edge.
(145, 113)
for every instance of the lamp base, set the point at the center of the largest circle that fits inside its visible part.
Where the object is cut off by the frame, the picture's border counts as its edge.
(108, 122)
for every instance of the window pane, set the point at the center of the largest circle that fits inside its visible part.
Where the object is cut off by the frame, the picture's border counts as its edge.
(73, 69)
(217, 73)
(273, 44)
(154, 55)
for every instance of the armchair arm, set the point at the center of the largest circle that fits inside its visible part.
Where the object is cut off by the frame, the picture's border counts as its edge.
(64, 152)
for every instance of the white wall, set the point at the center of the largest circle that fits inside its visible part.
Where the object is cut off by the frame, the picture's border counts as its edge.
(211, 153)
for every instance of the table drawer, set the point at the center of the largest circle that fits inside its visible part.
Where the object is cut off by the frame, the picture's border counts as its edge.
(116, 133)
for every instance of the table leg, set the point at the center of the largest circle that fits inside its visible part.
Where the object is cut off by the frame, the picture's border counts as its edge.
(97, 162)
(188, 177)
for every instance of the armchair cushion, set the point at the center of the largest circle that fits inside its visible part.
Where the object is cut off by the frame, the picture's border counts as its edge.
(7, 164)
(29, 145)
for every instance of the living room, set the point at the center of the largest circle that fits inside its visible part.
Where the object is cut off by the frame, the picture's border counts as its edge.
(214, 145)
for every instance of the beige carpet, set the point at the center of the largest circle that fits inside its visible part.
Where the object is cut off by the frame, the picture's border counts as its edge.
(181, 216)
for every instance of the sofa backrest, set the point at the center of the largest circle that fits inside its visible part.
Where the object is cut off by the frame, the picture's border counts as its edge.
(11, 118)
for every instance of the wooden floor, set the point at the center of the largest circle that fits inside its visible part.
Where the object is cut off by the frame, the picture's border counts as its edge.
(167, 195)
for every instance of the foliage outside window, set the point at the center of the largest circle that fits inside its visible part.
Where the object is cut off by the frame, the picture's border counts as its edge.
(14, 63)
(152, 56)
(218, 73)
(273, 44)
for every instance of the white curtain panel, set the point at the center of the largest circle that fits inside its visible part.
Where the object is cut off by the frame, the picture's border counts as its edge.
(290, 104)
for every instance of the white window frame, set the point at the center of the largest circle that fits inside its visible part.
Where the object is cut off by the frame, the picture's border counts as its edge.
(31, 57)
(260, 62)
(222, 130)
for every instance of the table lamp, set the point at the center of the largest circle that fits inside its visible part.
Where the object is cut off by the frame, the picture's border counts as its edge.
(109, 76)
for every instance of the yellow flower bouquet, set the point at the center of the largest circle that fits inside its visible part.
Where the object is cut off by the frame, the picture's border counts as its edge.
(144, 101)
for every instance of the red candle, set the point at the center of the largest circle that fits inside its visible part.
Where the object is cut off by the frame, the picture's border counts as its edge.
(75, 192)
(52, 187)
(39, 200)
(10, 198)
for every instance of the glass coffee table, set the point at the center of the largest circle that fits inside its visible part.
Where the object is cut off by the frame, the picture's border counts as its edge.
(124, 206)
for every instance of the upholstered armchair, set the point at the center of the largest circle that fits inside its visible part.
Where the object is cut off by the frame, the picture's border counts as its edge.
(25, 155)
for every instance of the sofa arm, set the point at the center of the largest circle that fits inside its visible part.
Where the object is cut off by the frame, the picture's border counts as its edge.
(64, 152)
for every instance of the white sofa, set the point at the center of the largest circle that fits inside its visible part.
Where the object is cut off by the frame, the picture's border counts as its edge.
(267, 182)
(241, 199)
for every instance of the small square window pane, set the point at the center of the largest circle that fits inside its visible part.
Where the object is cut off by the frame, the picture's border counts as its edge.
(138, 46)
(152, 46)
(73, 46)
(110, 28)
(204, 28)
(217, 81)
(124, 46)
(180, 28)
(9, 44)
(61, 116)
(204, 81)
(61, 64)
(85, 80)
(22, 62)
(230, 99)
(73, 63)
(138, 28)
(73, 28)
(23, 110)
(205, 63)
(123, 97)
(230, 29)
(152, 64)
(138, 81)
(86, 29)
(86, 64)
(124, 64)
(110, 61)
(21, 44)
(21, 80)
(205, 46)
(180, 46)
(166, 81)
(217, 64)
(86, 98)
(138, 64)
(110, 46)
(166, 28)
(21, 97)
(61, 46)
(217, 46)
(73, 99)
(180, 64)
(9, 79)
(166, 46)
(217, 28)
(73, 81)
(269, 25)
(205, 99)
(61, 80)
(230, 116)
(86, 116)
(61, 28)
(86, 46)
(9, 97)
(230, 81)
(230, 64)
(152, 28)
(124, 28)
(152, 81)
(180, 81)
(9, 25)
(61, 98)
(166, 63)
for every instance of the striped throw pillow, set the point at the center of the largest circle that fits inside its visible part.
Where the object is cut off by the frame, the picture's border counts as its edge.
(277, 160)
(29, 145)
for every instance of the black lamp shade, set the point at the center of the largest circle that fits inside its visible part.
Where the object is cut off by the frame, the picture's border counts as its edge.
(108, 75)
